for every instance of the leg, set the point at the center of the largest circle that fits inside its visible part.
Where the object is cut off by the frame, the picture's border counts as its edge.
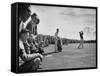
(29, 66)
(82, 43)
(79, 45)
(29, 57)
(55, 45)
(59, 46)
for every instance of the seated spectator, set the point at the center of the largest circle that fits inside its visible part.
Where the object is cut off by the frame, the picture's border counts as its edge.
(35, 47)
(31, 61)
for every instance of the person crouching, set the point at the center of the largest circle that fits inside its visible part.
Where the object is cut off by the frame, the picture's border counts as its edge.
(31, 61)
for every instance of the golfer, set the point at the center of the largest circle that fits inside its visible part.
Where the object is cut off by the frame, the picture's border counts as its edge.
(82, 40)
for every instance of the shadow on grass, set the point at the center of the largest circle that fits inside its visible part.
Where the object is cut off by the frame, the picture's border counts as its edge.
(45, 54)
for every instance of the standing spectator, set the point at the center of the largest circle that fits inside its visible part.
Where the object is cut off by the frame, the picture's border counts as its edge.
(32, 25)
(58, 46)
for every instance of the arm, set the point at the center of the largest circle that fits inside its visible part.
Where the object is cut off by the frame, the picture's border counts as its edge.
(28, 57)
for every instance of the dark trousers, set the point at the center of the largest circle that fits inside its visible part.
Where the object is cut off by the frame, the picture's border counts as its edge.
(29, 66)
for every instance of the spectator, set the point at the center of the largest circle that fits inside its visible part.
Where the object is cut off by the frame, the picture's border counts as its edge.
(58, 46)
(32, 25)
(31, 61)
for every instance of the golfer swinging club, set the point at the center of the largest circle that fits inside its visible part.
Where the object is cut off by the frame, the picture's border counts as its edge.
(82, 40)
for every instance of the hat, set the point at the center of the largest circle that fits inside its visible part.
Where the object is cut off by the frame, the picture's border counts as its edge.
(34, 14)
(57, 29)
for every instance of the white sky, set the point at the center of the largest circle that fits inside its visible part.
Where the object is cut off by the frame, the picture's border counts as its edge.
(69, 21)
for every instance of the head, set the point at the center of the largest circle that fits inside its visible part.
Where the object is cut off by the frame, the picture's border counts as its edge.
(35, 18)
(33, 15)
(57, 30)
(24, 34)
(81, 32)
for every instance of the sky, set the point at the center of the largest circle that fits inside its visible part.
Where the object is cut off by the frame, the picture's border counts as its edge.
(70, 21)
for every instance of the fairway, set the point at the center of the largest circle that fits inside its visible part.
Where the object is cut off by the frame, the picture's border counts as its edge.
(70, 57)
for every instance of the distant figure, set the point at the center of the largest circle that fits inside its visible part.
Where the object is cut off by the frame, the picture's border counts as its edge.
(58, 45)
(81, 37)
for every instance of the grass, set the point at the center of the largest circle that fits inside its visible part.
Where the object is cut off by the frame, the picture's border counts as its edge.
(70, 57)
